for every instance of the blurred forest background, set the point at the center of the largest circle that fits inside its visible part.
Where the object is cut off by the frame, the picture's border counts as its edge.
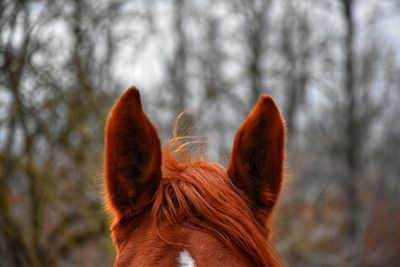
(332, 65)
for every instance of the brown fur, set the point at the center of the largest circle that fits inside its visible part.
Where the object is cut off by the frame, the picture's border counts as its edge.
(162, 207)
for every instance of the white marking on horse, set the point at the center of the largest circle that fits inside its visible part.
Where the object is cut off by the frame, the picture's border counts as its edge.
(185, 260)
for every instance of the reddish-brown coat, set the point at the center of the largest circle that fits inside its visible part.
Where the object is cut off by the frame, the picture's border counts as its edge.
(162, 205)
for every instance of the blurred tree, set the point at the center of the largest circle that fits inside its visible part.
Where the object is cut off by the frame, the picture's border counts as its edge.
(296, 50)
(254, 36)
(56, 81)
(177, 73)
(353, 141)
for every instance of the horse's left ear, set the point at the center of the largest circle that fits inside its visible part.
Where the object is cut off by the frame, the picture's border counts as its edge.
(132, 157)
(256, 165)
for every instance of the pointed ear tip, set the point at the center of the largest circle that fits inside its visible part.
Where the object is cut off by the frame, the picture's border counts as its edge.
(132, 91)
(132, 94)
(268, 105)
(266, 101)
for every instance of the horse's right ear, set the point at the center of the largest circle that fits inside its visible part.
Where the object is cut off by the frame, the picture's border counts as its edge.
(132, 157)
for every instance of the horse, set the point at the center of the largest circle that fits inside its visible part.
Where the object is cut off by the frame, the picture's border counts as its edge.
(170, 209)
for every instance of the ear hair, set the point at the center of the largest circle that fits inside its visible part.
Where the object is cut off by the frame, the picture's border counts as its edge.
(257, 159)
(132, 157)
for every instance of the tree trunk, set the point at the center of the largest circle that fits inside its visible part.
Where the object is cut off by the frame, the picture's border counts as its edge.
(352, 144)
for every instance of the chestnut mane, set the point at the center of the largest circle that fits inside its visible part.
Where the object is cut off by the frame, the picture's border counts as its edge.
(199, 193)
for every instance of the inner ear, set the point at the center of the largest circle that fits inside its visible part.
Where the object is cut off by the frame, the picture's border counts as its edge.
(256, 165)
(132, 157)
